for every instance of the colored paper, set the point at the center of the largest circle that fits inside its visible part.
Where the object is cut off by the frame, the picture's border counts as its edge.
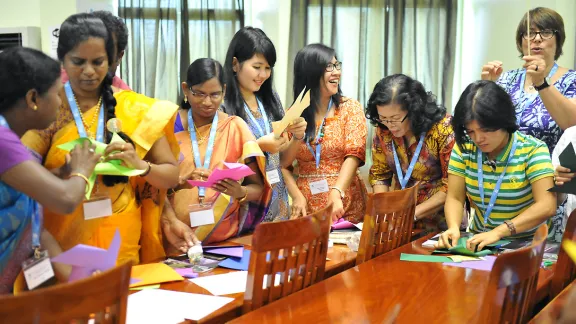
(423, 258)
(237, 263)
(461, 258)
(223, 284)
(568, 160)
(461, 249)
(570, 248)
(230, 251)
(344, 224)
(157, 286)
(186, 272)
(293, 113)
(234, 171)
(154, 273)
(484, 265)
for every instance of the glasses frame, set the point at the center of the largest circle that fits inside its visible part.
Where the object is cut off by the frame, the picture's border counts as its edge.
(533, 34)
(202, 96)
(330, 66)
(392, 122)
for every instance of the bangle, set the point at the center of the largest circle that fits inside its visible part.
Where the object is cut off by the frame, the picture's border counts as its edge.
(342, 195)
(296, 137)
(243, 199)
(511, 227)
(147, 170)
(80, 175)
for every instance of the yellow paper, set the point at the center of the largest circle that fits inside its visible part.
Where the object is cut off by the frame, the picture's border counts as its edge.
(153, 273)
(570, 248)
(461, 258)
(146, 287)
(301, 103)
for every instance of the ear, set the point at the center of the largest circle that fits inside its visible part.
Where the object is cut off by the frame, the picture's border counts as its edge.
(224, 91)
(184, 87)
(120, 56)
(31, 98)
(235, 65)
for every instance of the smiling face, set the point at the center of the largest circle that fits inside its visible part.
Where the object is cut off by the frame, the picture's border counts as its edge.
(487, 140)
(329, 82)
(87, 64)
(252, 73)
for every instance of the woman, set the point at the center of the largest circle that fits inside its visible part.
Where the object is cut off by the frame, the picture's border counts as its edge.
(249, 71)
(85, 49)
(29, 86)
(334, 144)
(414, 130)
(543, 93)
(208, 138)
(506, 174)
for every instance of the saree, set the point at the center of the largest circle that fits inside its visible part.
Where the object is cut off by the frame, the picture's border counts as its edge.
(233, 143)
(136, 205)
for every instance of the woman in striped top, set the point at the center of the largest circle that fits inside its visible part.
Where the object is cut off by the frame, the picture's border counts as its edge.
(504, 173)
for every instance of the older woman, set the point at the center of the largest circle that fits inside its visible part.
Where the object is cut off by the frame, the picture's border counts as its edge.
(542, 91)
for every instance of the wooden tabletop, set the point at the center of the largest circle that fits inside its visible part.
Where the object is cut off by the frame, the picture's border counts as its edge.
(551, 312)
(368, 293)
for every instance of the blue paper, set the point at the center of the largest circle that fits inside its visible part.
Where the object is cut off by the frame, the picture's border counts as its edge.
(237, 263)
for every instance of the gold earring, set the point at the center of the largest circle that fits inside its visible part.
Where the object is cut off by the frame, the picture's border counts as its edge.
(35, 107)
(185, 99)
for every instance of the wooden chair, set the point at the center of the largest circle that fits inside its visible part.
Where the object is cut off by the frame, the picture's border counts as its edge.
(286, 257)
(565, 270)
(102, 297)
(388, 222)
(511, 290)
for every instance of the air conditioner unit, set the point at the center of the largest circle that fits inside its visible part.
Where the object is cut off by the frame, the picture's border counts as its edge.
(20, 36)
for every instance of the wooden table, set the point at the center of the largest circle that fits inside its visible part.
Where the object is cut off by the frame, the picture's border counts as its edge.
(368, 293)
(551, 312)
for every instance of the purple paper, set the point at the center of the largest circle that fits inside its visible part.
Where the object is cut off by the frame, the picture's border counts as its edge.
(484, 265)
(186, 272)
(235, 171)
(237, 263)
(230, 251)
(342, 224)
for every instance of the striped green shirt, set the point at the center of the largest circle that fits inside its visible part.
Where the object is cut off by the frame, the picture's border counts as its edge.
(531, 162)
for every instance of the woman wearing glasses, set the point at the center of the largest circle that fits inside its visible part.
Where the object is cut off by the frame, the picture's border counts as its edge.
(412, 143)
(208, 137)
(543, 93)
(334, 144)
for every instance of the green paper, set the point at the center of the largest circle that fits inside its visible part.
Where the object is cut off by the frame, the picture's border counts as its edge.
(460, 248)
(423, 258)
(146, 287)
(499, 243)
(100, 147)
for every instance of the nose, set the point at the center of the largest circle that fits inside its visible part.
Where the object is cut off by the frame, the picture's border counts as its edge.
(88, 70)
(207, 101)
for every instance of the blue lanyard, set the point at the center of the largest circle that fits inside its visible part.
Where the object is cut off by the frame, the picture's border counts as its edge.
(488, 211)
(255, 122)
(404, 178)
(523, 103)
(196, 149)
(37, 212)
(78, 119)
(318, 145)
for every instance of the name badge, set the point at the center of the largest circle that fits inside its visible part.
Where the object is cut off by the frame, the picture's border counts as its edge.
(201, 214)
(38, 271)
(273, 176)
(97, 208)
(320, 186)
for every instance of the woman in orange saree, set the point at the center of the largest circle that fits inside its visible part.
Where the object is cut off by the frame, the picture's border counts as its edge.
(236, 208)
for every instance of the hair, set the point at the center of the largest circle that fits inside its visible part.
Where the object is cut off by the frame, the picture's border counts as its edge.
(309, 68)
(423, 111)
(24, 69)
(116, 26)
(543, 18)
(75, 30)
(200, 71)
(246, 43)
(489, 105)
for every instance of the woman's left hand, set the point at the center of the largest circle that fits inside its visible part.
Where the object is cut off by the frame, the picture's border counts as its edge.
(229, 187)
(479, 241)
(337, 205)
(126, 153)
(536, 68)
(180, 235)
(297, 128)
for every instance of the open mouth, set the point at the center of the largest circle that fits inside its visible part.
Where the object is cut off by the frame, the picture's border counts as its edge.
(334, 81)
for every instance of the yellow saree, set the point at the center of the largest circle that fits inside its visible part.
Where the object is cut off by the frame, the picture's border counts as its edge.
(136, 205)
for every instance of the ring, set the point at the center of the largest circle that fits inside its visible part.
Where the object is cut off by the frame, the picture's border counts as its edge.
(536, 69)
(224, 190)
(91, 150)
(122, 148)
(202, 174)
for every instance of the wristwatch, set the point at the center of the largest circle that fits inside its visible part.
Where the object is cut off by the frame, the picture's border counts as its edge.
(543, 86)
(342, 195)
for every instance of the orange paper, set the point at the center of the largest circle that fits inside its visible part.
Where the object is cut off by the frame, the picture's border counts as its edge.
(153, 273)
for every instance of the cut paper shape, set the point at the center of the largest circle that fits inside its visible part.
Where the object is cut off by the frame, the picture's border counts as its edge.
(461, 258)
(461, 249)
(570, 248)
(423, 258)
(186, 272)
(223, 284)
(237, 263)
(229, 251)
(234, 171)
(293, 113)
(484, 265)
(344, 224)
(157, 286)
(568, 160)
(153, 273)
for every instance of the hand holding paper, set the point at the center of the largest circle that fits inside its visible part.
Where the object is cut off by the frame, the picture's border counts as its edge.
(567, 160)
(234, 171)
(293, 113)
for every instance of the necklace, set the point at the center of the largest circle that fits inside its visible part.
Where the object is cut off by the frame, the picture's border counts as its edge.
(201, 139)
(87, 126)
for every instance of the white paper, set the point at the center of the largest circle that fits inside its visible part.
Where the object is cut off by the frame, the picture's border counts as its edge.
(97, 208)
(202, 217)
(223, 284)
(166, 306)
(273, 176)
(359, 226)
(431, 243)
(37, 274)
(320, 186)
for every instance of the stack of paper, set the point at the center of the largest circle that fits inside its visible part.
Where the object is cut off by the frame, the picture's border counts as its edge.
(231, 283)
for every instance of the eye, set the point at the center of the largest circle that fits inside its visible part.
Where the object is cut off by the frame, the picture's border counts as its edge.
(98, 62)
(77, 61)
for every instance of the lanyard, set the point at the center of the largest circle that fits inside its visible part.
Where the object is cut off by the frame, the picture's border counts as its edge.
(320, 132)
(78, 118)
(196, 149)
(488, 211)
(37, 212)
(255, 122)
(404, 178)
(523, 103)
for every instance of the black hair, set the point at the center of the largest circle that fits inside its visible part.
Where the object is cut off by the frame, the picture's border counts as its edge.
(24, 69)
(489, 105)
(200, 71)
(75, 30)
(246, 43)
(423, 111)
(116, 26)
(309, 68)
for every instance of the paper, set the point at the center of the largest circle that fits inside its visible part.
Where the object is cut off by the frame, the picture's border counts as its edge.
(568, 160)
(235, 171)
(153, 273)
(157, 286)
(319, 186)
(166, 306)
(344, 224)
(570, 248)
(273, 176)
(223, 284)
(186, 272)
(201, 217)
(461, 249)
(431, 242)
(97, 208)
(423, 258)
(237, 263)
(293, 113)
(461, 258)
(230, 251)
(485, 265)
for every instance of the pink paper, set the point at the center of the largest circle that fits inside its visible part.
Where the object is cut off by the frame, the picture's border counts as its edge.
(186, 272)
(231, 251)
(342, 224)
(484, 265)
(235, 171)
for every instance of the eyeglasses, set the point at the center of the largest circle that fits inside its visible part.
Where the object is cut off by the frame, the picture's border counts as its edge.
(331, 66)
(215, 96)
(392, 122)
(544, 34)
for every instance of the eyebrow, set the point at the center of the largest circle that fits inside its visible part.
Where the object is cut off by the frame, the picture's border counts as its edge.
(397, 115)
(81, 58)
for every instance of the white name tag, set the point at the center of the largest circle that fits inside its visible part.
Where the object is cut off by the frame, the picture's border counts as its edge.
(201, 217)
(97, 208)
(273, 176)
(38, 272)
(320, 186)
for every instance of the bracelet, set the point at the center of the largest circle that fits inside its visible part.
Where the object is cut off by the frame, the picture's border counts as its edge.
(296, 137)
(80, 175)
(147, 170)
(342, 195)
(243, 199)
(511, 227)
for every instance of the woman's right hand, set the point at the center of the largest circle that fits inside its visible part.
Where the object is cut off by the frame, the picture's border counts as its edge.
(298, 207)
(82, 159)
(198, 174)
(562, 175)
(448, 238)
(491, 71)
(271, 144)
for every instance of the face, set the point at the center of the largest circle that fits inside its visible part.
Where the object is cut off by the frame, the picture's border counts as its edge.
(252, 73)
(87, 64)
(330, 80)
(48, 104)
(394, 118)
(205, 98)
(540, 46)
(486, 139)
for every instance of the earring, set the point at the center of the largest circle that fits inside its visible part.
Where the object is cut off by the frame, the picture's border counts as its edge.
(35, 107)
(185, 99)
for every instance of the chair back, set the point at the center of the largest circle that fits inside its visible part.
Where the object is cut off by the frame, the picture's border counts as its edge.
(388, 222)
(102, 298)
(511, 291)
(565, 271)
(286, 257)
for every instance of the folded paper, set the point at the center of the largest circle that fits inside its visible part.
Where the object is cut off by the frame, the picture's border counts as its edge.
(229, 251)
(461, 249)
(341, 224)
(424, 258)
(293, 113)
(568, 160)
(234, 171)
(237, 263)
(153, 273)
(485, 265)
